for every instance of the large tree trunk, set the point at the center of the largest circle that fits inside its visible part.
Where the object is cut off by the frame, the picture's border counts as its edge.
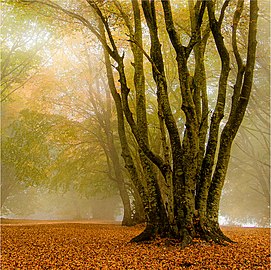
(205, 176)
(195, 184)
(156, 211)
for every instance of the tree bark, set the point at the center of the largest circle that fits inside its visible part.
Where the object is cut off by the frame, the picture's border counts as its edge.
(236, 116)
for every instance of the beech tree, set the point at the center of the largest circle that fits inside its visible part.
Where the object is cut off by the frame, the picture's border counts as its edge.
(193, 163)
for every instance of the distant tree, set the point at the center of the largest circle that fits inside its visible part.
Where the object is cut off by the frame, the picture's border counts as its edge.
(91, 102)
(22, 40)
(25, 153)
(45, 150)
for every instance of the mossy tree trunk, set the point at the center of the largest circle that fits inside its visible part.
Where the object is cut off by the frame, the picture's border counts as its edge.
(195, 179)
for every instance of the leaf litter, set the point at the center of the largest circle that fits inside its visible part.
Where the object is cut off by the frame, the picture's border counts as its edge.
(106, 246)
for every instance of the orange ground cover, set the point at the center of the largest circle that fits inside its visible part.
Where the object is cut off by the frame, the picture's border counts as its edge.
(106, 246)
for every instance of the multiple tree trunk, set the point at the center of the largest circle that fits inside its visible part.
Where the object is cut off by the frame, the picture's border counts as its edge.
(194, 178)
(193, 165)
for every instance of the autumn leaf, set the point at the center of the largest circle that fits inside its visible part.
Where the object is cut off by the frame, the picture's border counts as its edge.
(106, 246)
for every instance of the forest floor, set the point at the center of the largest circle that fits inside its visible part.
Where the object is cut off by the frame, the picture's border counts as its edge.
(85, 245)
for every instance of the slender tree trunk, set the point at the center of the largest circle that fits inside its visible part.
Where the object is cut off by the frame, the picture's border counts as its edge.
(240, 101)
(128, 160)
(114, 165)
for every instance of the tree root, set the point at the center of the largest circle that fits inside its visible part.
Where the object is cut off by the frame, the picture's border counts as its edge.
(147, 235)
(213, 233)
(209, 232)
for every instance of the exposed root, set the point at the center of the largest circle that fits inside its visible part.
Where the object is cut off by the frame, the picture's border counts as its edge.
(147, 235)
(209, 232)
(186, 239)
(212, 233)
(226, 238)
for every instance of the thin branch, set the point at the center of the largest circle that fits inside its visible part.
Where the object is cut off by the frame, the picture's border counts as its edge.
(76, 16)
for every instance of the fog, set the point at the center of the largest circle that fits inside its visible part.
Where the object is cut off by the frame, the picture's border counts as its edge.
(36, 203)
(42, 204)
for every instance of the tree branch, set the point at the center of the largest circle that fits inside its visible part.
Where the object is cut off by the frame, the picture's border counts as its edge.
(76, 16)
